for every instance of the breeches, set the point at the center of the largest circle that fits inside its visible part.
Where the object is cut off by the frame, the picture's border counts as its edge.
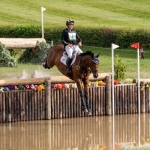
(70, 50)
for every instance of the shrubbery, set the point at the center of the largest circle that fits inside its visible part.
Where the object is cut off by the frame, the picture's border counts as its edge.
(102, 37)
(37, 55)
(119, 68)
(6, 57)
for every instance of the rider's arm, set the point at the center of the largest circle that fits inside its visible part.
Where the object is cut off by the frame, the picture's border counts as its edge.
(79, 38)
(64, 38)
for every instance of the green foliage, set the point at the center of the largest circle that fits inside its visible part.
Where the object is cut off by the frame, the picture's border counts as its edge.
(35, 56)
(26, 56)
(13, 53)
(6, 59)
(20, 31)
(101, 37)
(119, 68)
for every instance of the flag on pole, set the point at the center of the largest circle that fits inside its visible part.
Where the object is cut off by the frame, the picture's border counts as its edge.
(43, 9)
(114, 46)
(135, 45)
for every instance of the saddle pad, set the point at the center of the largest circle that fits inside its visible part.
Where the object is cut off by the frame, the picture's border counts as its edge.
(64, 58)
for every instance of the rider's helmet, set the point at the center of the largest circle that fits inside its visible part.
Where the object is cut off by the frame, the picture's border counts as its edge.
(68, 22)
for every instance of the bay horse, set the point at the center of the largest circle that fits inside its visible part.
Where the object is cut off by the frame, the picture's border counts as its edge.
(80, 70)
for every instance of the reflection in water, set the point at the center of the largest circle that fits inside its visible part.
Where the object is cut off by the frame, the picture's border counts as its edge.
(89, 133)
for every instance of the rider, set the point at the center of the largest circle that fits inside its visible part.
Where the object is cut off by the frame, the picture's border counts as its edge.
(69, 39)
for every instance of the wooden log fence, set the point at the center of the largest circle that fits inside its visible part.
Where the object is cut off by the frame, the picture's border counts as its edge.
(25, 105)
(21, 43)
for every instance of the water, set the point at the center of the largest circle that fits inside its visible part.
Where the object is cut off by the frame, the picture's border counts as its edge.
(89, 133)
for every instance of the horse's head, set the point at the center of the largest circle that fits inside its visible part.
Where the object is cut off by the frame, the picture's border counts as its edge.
(89, 62)
(94, 65)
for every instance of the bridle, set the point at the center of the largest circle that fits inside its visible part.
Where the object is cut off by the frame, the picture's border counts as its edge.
(87, 69)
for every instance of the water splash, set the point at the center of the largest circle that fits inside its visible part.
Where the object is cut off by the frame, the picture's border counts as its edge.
(38, 74)
(23, 75)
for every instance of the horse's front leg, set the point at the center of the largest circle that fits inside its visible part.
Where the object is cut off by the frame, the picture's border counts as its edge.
(45, 64)
(83, 103)
(87, 96)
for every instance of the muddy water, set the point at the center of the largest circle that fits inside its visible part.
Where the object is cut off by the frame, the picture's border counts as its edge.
(89, 133)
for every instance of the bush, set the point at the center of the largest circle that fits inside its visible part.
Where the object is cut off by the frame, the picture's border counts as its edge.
(35, 56)
(101, 37)
(6, 59)
(119, 68)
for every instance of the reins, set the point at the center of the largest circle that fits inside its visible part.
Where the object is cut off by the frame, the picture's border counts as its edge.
(83, 68)
(85, 71)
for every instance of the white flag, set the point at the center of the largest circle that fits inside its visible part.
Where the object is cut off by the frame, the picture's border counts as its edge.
(114, 46)
(43, 9)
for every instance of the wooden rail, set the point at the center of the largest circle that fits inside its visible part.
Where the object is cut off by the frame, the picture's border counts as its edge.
(22, 105)
(21, 43)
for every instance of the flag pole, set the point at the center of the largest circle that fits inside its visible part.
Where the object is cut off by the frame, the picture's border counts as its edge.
(42, 18)
(138, 80)
(138, 54)
(112, 83)
(112, 51)
(137, 46)
(113, 46)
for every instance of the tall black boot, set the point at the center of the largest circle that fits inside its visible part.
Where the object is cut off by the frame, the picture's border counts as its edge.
(84, 108)
(68, 62)
(87, 104)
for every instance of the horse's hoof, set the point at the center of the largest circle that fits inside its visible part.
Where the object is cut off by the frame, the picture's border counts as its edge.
(44, 65)
(85, 111)
(89, 113)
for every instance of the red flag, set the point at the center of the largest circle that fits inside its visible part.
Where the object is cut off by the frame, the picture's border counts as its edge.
(135, 45)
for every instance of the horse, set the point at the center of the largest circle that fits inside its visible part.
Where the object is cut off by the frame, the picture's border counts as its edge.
(84, 64)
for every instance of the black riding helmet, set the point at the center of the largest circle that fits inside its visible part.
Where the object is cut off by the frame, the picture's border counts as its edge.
(68, 22)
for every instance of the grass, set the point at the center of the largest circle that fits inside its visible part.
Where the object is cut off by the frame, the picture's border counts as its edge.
(128, 57)
(96, 13)
(131, 14)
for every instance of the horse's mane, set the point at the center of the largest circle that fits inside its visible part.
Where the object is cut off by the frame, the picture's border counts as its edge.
(87, 53)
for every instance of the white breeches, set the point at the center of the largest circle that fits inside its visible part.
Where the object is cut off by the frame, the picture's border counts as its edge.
(70, 50)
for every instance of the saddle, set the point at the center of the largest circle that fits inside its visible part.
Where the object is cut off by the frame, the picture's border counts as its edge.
(65, 56)
(73, 54)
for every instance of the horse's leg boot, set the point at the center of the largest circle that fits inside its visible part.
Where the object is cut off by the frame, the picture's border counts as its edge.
(87, 104)
(84, 108)
(44, 65)
(68, 62)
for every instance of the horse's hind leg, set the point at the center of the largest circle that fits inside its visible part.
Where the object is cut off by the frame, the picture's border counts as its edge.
(83, 103)
(86, 96)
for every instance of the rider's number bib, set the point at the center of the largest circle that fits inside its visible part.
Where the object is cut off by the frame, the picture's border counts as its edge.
(72, 36)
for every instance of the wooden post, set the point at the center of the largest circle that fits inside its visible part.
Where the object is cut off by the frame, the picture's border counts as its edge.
(48, 99)
(142, 97)
(108, 95)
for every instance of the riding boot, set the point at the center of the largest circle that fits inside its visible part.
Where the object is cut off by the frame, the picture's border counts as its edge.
(84, 108)
(87, 104)
(68, 62)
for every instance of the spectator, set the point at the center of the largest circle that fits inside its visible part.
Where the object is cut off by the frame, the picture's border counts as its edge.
(141, 53)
